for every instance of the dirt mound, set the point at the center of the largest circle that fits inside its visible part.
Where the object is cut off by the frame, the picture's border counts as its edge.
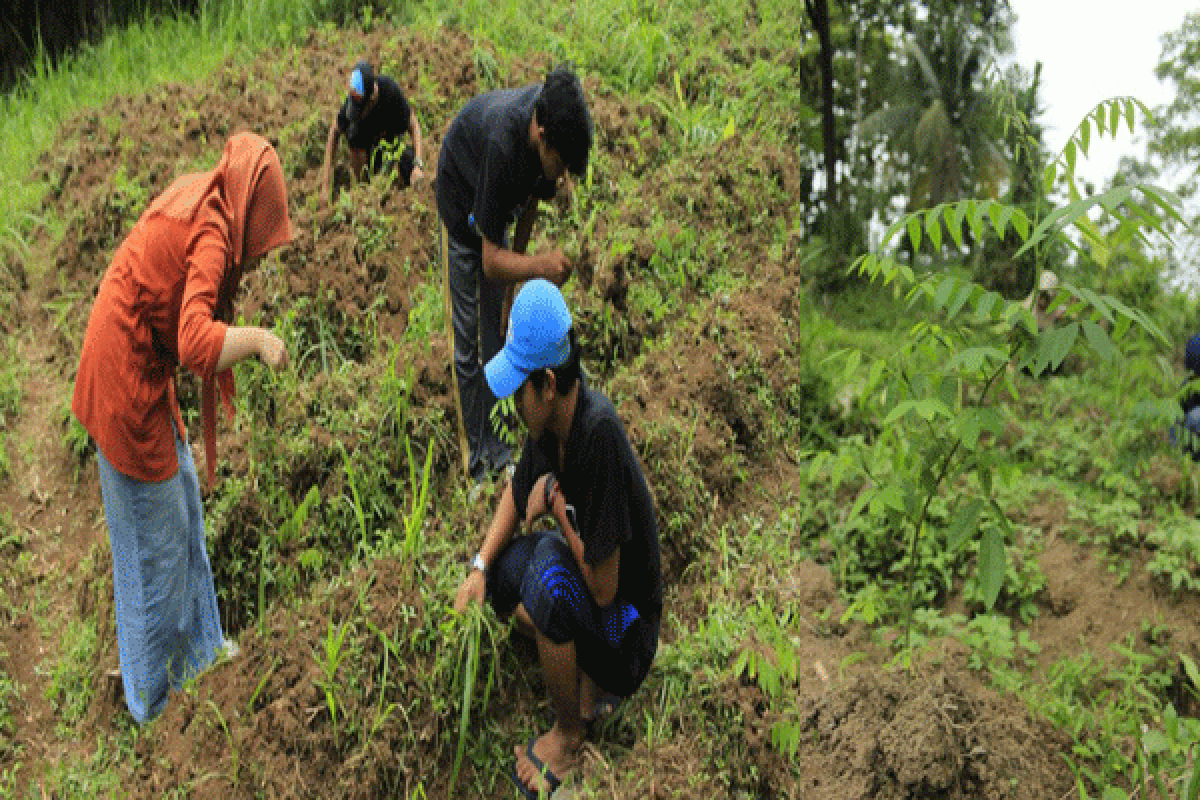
(889, 736)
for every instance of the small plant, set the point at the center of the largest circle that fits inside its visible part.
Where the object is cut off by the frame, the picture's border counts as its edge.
(332, 654)
(414, 519)
(770, 661)
(291, 530)
(70, 688)
(465, 639)
(940, 423)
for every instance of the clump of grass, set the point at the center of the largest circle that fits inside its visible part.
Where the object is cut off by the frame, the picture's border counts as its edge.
(461, 661)
(70, 688)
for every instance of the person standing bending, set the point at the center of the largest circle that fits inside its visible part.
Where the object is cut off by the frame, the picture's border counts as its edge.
(590, 591)
(166, 301)
(505, 151)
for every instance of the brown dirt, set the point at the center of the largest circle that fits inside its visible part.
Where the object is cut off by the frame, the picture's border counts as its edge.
(262, 721)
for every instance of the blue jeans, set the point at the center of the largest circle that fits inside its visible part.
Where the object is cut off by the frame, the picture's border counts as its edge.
(168, 625)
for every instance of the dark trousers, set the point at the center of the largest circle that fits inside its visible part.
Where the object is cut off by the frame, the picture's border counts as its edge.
(476, 308)
(614, 646)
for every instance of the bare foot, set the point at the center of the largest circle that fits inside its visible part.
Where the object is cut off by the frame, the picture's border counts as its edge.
(556, 750)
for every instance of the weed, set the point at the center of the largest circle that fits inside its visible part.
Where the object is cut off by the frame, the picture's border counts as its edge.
(70, 686)
(466, 637)
(330, 658)
(414, 519)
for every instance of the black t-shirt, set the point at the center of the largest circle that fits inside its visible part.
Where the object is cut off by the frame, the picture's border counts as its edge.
(487, 168)
(613, 506)
(386, 120)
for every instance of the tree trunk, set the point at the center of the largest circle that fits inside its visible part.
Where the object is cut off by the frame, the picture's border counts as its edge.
(818, 12)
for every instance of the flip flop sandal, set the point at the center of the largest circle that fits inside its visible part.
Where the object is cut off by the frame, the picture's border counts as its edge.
(552, 781)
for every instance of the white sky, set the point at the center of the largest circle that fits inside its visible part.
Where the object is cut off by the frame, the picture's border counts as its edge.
(1092, 50)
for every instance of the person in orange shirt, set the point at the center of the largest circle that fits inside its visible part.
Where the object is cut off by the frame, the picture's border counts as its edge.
(166, 301)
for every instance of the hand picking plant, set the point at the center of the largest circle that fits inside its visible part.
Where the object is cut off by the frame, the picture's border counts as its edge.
(942, 416)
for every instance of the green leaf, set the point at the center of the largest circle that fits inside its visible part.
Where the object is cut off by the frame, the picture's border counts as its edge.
(1021, 222)
(1097, 302)
(964, 523)
(853, 359)
(999, 214)
(1098, 340)
(954, 220)
(974, 423)
(1085, 135)
(891, 232)
(1189, 668)
(914, 231)
(1054, 344)
(1155, 742)
(1114, 117)
(949, 390)
(986, 303)
(926, 409)
(1129, 114)
(944, 291)
(992, 565)
(933, 227)
(974, 358)
(975, 219)
(960, 300)
(1049, 176)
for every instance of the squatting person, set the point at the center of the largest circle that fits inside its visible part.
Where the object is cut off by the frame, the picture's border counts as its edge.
(591, 590)
(505, 151)
(166, 301)
(375, 113)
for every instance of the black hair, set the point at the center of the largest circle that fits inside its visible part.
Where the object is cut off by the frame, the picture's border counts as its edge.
(565, 376)
(562, 112)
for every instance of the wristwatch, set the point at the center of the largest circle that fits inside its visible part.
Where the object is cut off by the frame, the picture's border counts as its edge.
(478, 563)
(420, 164)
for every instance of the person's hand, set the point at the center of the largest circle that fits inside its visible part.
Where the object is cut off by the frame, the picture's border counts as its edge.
(416, 176)
(555, 267)
(472, 589)
(536, 506)
(272, 350)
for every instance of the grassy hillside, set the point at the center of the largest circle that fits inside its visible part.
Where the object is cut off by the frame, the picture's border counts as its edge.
(341, 523)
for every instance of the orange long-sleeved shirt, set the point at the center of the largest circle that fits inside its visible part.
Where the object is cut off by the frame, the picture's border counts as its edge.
(154, 311)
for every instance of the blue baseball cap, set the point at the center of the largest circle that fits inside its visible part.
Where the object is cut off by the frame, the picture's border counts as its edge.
(538, 337)
(362, 84)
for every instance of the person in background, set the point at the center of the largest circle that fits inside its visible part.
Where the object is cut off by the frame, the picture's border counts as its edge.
(166, 301)
(505, 151)
(373, 118)
(1186, 432)
(589, 591)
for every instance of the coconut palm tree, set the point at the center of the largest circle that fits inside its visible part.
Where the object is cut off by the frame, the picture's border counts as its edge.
(942, 129)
